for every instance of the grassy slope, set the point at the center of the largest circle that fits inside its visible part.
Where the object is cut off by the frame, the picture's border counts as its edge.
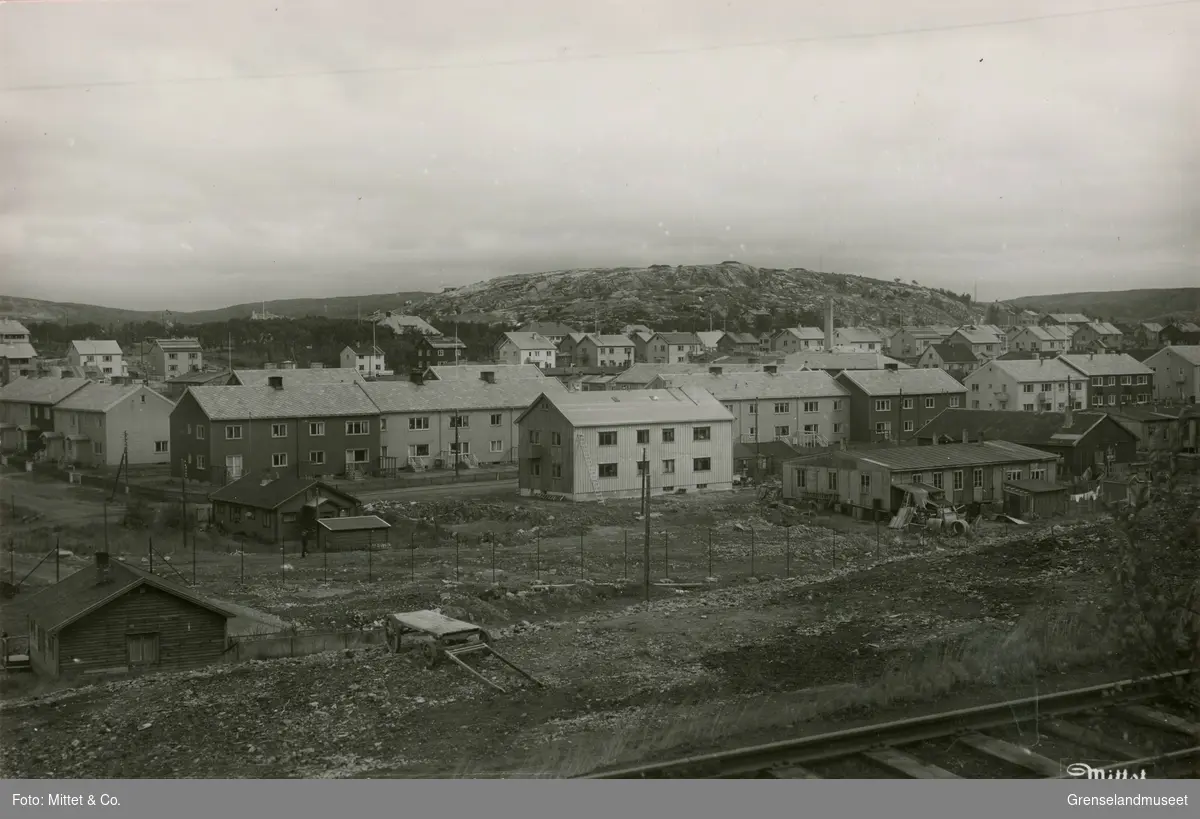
(1126, 305)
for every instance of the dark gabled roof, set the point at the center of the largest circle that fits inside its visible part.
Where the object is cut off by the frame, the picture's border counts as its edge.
(954, 353)
(946, 456)
(56, 607)
(250, 491)
(200, 378)
(1026, 428)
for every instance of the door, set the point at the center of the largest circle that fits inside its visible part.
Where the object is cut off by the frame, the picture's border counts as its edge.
(233, 467)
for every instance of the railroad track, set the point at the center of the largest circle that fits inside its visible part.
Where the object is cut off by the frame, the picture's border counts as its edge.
(1129, 726)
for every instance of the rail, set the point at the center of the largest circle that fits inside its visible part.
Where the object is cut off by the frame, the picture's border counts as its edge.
(882, 739)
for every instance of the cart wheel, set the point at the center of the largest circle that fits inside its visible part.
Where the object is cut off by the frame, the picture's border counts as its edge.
(484, 637)
(393, 643)
(431, 653)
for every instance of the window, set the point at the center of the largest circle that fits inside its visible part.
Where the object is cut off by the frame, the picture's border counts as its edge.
(908, 426)
(1012, 474)
(555, 439)
(535, 436)
(1098, 381)
(782, 408)
(917, 477)
(974, 405)
(668, 436)
(535, 466)
(200, 462)
(701, 464)
(160, 446)
(831, 479)
(883, 405)
(1097, 400)
(356, 456)
(1111, 381)
(1142, 398)
(97, 447)
(199, 432)
(939, 479)
(383, 425)
(929, 402)
(837, 405)
(643, 436)
(1047, 387)
(279, 459)
(266, 519)
(1126, 380)
(754, 409)
(837, 428)
(974, 388)
(316, 456)
(462, 448)
(608, 470)
(607, 438)
(418, 450)
(907, 403)
(642, 468)
(278, 430)
(864, 483)
(701, 434)
(1027, 407)
(668, 466)
(497, 419)
(141, 649)
(782, 432)
(1037, 474)
(460, 421)
(1142, 380)
(1112, 400)
(883, 428)
(812, 406)
(497, 446)
(419, 423)
(556, 470)
(358, 427)
(811, 429)
(958, 479)
(289, 517)
(1026, 388)
(233, 432)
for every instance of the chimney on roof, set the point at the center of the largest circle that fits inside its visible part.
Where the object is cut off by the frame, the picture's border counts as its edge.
(417, 377)
(771, 369)
(103, 576)
(966, 437)
(829, 324)
(981, 434)
(488, 376)
(714, 370)
(275, 382)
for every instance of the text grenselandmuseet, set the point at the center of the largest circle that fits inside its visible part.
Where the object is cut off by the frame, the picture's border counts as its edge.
(1121, 801)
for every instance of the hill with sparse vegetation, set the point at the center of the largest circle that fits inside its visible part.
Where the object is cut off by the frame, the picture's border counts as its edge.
(1120, 305)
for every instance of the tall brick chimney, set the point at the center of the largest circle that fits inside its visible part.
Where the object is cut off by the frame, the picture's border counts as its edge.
(829, 324)
(102, 574)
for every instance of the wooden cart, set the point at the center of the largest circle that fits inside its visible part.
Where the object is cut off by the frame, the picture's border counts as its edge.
(441, 637)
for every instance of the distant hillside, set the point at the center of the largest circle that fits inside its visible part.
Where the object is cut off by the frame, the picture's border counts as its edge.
(336, 307)
(680, 297)
(1120, 305)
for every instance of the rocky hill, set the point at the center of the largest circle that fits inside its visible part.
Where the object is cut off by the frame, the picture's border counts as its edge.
(680, 297)
(1121, 305)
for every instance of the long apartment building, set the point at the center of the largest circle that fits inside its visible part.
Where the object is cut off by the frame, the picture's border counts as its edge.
(1113, 378)
(434, 424)
(1026, 385)
(892, 404)
(586, 446)
(804, 409)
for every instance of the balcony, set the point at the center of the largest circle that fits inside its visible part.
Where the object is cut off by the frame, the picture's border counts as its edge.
(537, 450)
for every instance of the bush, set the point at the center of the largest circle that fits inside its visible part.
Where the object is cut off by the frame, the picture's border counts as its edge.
(139, 514)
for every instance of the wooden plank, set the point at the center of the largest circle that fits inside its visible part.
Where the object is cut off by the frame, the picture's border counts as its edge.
(907, 764)
(479, 676)
(1090, 739)
(431, 622)
(1161, 719)
(1014, 754)
(792, 772)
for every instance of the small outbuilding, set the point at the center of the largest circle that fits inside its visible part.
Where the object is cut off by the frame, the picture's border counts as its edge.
(351, 534)
(279, 509)
(114, 618)
(1028, 498)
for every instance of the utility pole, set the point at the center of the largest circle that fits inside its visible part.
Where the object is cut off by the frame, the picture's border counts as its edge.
(183, 504)
(456, 419)
(646, 519)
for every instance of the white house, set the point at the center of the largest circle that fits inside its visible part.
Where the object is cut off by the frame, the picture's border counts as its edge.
(1047, 338)
(367, 359)
(798, 339)
(984, 342)
(1176, 373)
(857, 340)
(1026, 385)
(525, 348)
(93, 425)
(104, 356)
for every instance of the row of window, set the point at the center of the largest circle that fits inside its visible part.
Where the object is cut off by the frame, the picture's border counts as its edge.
(316, 457)
(1100, 400)
(785, 407)
(610, 470)
(1126, 380)
(460, 448)
(609, 437)
(316, 429)
(937, 479)
(885, 404)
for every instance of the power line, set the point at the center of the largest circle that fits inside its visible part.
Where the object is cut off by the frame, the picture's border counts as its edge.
(578, 58)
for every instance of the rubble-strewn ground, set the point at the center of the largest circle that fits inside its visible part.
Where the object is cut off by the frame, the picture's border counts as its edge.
(900, 619)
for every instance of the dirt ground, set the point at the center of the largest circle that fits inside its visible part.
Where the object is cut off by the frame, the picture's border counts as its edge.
(769, 627)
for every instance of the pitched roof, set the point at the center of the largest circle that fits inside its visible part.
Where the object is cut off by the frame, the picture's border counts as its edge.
(40, 390)
(840, 361)
(1187, 327)
(313, 400)
(601, 340)
(977, 335)
(474, 372)
(1048, 332)
(1026, 428)
(1034, 369)
(443, 341)
(1151, 326)
(198, 378)
(948, 456)
(1103, 328)
(679, 338)
(299, 378)
(623, 408)
(1106, 364)
(1188, 352)
(858, 335)
(530, 341)
(103, 397)
(400, 324)
(576, 337)
(758, 385)
(462, 395)
(742, 338)
(1143, 414)
(546, 328)
(927, 332)
(94, 347)
(250, 491)
(805, 333)
(76, 595)
(1069, 318)
(644, 373)
(908, 382)
(709, 338)
(12, 327)
(178, 344)
(365, 350)
(774, 449)
(953, 353)
(17, 349)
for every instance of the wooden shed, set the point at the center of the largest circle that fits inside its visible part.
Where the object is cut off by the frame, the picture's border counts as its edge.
(114, 617)
(350, 534)
(1028, 498)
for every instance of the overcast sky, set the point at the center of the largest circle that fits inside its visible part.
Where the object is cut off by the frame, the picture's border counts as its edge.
(187, 154)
